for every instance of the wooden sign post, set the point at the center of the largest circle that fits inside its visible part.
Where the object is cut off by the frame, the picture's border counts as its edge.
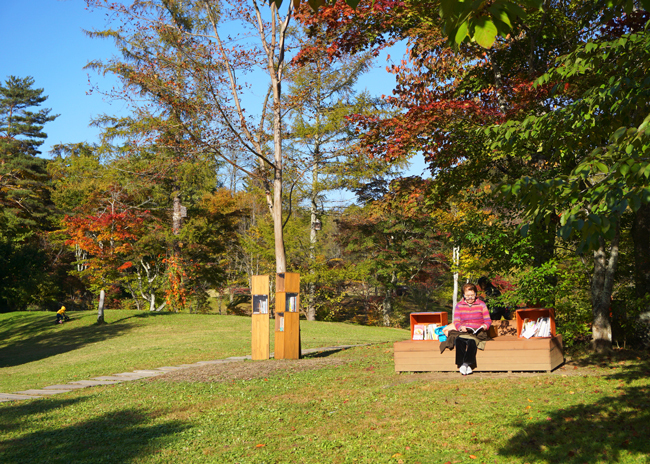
(287, 316)
(260, 297)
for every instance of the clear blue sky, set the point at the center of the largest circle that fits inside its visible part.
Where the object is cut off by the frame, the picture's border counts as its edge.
(44, 39)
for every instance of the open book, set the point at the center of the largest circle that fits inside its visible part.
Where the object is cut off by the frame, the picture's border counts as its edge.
(473, 331)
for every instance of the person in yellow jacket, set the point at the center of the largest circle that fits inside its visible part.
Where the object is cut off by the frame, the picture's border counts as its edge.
(60, 315)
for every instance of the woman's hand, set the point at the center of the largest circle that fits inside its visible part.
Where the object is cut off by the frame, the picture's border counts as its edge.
(463, 328)
(448, 328)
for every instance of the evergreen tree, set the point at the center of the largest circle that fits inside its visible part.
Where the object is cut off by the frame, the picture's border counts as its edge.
(24, 195)
(23, 176)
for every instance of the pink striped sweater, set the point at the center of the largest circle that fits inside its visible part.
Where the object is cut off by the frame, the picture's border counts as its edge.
(474, 315)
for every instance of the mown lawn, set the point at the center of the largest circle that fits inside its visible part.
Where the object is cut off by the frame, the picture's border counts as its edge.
(348, 407)
(35, 352)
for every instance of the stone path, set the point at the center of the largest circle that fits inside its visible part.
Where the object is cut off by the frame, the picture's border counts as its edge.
(135, 375)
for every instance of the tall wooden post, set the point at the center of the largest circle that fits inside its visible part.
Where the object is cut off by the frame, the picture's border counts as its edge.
(287, 316)
(260, 297)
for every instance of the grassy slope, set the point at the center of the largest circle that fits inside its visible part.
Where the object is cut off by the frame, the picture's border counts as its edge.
(360, 412)
(35, 353)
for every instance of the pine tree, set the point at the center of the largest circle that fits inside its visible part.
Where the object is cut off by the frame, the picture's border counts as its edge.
(24, 196)
(23, 175)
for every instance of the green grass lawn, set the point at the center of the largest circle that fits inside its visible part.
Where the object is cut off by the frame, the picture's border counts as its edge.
(35, 352)
(349, 407)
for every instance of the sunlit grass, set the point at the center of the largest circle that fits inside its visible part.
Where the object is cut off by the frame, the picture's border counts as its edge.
(35, 352)
(359, 411)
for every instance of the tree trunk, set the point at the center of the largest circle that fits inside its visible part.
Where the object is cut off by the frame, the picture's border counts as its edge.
(388, 300)
(100, 310)
(311, 303)
(176, 214)
(387, 307)
(278, 231)
(275, 65)
(602, 284)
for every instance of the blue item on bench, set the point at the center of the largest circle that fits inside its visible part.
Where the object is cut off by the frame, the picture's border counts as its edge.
(441, 336)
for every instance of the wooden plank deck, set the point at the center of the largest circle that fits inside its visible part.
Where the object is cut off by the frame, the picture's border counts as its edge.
(504, 353)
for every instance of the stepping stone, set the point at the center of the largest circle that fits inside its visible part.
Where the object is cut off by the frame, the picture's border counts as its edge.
(67, 387)
(149, 372)
(132, 375)
(40, 392)
(240, 358)
(94, 383)
(218, 361)
(169, 368)
(110, 378)
(14, 397)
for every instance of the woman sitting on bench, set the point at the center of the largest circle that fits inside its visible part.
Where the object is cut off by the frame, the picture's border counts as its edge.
(470, 315)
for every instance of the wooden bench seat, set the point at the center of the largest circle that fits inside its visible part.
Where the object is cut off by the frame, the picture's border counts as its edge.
(504, 353)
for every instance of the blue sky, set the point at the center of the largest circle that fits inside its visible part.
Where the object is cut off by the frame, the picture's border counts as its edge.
(44, 39)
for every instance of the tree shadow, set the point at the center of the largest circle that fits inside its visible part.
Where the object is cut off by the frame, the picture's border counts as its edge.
(117, 436)
(324, 352)
(11, 417)
(603, 431)
(40, 338)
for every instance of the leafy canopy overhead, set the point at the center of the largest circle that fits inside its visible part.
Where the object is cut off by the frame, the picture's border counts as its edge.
(483, 21)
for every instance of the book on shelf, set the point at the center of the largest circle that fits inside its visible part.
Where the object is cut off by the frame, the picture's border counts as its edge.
(430, 332)
(281, 324)
(418, 331)
(292, 302)
(544, 329)
(424, 332)
(260, 304)
(539, 328)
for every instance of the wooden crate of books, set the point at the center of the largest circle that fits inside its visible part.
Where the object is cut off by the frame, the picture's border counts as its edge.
(507, 353)
(260, 342)
(420, 321)
(533, 315)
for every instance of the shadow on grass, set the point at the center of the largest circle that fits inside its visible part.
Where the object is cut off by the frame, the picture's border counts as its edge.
(116, 437)
(12, 415)
(607, 431)
(39, 338)
(325, 352)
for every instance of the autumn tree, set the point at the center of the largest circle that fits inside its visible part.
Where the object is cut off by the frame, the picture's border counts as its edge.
(190, 60)
(598, 159)
(106, 238)
(394, 237)
(323, 95)
(521, 80)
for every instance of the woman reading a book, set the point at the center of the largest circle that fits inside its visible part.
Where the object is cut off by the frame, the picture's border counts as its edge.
(470, 317)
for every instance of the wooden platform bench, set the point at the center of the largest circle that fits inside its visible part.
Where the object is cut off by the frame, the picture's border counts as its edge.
(504, 353)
